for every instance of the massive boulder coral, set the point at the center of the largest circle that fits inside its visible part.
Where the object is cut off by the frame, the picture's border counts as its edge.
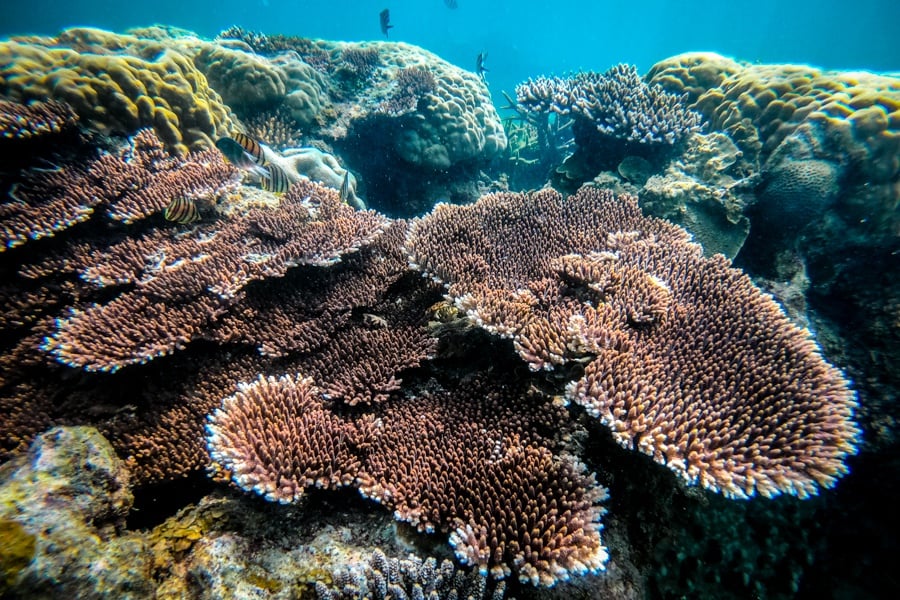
(850, 120)
(761, 105)
(686, 360)
(247, 83)
(434, 132)
(117, 84)
(706, 189)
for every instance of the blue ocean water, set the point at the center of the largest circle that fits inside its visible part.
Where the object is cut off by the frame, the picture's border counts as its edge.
(527, 38)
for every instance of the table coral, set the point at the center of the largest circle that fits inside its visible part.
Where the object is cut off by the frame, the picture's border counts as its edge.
(687, 360)
(490, 476)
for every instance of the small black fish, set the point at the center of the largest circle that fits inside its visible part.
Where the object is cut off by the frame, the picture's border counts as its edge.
(385, 17)
(345, 187)
(479, 65)
(451, 4)
(182, 210)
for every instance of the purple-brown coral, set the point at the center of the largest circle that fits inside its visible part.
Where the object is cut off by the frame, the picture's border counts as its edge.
(361, 60)
(276, 437)
(473, 461)
(688, 361)
(189, 280)
(412, 83)
(26, 121)
(137, 181)
(618, 103)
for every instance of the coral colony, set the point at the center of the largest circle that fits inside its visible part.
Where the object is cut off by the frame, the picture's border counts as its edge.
(447, 367)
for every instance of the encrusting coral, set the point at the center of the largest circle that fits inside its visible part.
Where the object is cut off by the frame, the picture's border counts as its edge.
(688, 361)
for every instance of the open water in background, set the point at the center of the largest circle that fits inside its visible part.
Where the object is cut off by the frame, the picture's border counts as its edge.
(525, 38)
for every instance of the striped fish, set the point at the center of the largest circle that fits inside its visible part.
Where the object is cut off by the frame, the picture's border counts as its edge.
(251, 147)
(278, 181)
(345, 187)
(182, 210)
(235, 153)
(248, 154)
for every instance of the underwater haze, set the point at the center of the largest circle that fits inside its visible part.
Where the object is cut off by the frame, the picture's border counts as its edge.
(527, 39)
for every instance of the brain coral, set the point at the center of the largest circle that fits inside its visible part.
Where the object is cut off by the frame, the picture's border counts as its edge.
(762, 105)
(117, 84)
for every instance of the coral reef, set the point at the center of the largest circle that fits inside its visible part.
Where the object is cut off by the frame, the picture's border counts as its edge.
(104, 301)
(434, 123)
(762, 105)
(323, 168)
(381, 578)
(117, 84)
(288, 345)
(828, 147)
(618, 103)
(26, 121)
(727, 405)
(362, 60)
(247, 83)
(412, 84)
(488, 470)
(431, 122)
(275, 128)
(67, 498)
(200, 276)
(615, 114)
(131, 184)
(706, 190)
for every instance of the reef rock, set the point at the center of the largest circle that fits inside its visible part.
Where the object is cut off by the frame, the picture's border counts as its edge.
(62, 509)
(705, 190)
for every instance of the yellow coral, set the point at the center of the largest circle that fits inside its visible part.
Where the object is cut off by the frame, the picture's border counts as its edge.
(18, 550)
(761, 105)
(118, 84)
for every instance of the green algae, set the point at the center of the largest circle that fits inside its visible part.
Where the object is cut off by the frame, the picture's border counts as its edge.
(18, 550)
